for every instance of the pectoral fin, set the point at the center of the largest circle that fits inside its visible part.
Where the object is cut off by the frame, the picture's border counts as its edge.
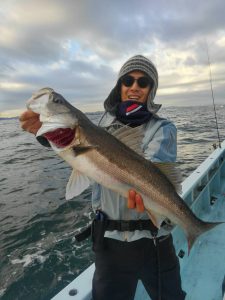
(155, 218)
(82, 149)
(76, 185)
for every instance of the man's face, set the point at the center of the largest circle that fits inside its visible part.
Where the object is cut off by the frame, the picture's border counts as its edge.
(134, 91)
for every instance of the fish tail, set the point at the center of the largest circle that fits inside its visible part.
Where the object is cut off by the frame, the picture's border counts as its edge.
(202, 228)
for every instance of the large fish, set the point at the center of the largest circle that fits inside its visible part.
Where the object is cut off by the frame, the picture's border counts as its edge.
(95, 154)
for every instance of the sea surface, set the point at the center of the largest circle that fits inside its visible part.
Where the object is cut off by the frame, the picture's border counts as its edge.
(38, 253)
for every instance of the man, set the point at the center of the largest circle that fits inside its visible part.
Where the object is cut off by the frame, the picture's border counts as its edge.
(129, 247)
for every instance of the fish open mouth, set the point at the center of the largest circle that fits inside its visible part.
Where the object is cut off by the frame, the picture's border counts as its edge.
(61, 137)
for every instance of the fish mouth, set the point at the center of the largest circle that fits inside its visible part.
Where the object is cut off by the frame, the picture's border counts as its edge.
(61, 137)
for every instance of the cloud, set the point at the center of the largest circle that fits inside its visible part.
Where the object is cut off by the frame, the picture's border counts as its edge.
(77, 47)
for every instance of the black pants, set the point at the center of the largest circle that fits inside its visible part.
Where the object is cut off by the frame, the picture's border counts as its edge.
(121, 264)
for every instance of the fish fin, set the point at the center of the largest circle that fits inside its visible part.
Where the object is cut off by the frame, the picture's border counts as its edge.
(131, 137)
(76, 185)
(204, 227)
(82, 149)
(155, 218)
(172, 172)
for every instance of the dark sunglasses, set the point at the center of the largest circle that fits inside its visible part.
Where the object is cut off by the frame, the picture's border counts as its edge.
(129, 80)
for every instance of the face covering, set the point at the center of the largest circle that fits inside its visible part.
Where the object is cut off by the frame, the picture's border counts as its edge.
(133, 113)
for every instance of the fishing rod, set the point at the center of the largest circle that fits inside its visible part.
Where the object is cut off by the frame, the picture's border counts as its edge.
(212, 93)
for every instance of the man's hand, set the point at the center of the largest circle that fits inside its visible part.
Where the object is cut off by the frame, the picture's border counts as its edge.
(30, 122)
(135, 201)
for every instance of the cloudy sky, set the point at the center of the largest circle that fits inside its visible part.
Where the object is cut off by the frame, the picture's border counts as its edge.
(78, 46)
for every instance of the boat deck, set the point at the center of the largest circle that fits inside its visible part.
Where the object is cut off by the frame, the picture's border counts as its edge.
(203, 270)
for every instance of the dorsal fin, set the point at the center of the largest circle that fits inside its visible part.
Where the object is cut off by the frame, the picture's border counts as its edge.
(172, 172)
(131, 137)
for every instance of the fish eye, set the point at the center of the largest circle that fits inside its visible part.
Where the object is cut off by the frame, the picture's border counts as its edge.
(57, 100)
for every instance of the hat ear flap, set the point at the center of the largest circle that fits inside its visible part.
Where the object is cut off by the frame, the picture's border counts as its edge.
(114, 98)
(151, 106)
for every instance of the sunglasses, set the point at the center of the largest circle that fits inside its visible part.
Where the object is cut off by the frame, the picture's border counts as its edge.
(129, 80)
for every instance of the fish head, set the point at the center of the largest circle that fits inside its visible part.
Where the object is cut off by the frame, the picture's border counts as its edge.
(58, 116)
(51, 105)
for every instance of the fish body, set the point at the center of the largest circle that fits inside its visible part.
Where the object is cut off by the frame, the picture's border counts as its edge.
(95, 154)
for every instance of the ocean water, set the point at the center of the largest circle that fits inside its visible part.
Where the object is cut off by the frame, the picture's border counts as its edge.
(38, 252)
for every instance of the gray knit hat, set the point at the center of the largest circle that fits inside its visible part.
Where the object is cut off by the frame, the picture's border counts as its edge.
(135, 63)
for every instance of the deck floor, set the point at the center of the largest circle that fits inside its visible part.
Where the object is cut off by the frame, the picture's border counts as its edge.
(204, 270)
